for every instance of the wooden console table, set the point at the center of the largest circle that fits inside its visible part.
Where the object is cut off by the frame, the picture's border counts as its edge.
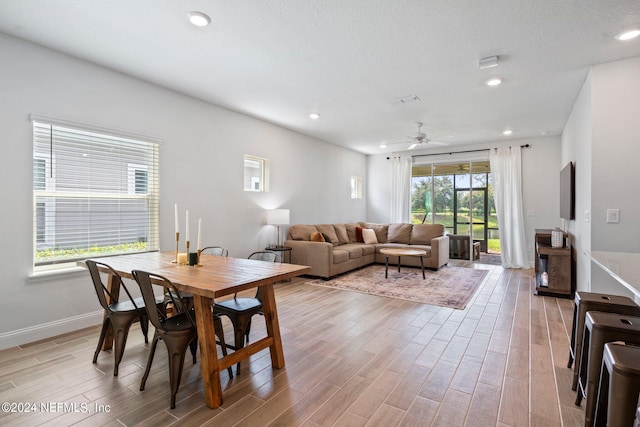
(557, 263)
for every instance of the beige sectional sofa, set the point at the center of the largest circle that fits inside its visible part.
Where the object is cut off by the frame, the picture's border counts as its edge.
(342, 249)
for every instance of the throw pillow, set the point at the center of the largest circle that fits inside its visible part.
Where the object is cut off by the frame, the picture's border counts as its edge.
(341, 232)
(359, 235)
(317, 237)
(369, 236)
(328, 232)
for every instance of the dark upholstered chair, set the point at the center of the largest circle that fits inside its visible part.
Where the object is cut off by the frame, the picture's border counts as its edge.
(241, 310)
(120, 314)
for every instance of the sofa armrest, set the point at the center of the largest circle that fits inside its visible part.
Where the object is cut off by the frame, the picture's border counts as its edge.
(439, 251)
(317, 255)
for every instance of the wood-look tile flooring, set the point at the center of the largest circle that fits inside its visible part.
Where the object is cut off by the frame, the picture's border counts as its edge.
(351, 360)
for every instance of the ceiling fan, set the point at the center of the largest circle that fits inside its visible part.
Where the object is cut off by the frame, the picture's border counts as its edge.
(418, 139)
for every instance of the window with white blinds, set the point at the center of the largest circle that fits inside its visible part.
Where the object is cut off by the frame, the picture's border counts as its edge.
(94, 194)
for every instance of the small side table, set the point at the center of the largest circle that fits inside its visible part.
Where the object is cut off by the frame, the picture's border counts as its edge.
(400, 252)
(284, 251)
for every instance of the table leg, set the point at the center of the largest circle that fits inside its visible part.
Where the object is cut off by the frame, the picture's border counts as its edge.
(208, 352)
(386, 267)
(398, 264)
(422, 265)
(114, 289)
(273, 326)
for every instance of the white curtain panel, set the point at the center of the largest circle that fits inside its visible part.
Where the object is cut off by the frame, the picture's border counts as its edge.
(401, 189)
(506, 170)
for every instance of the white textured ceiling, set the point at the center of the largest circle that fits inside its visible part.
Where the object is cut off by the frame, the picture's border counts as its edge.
(349, 60)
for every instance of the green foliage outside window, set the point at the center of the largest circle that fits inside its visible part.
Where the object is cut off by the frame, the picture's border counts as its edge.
(45, 255)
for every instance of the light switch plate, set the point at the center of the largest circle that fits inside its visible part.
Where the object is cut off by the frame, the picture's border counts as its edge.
(613, 216)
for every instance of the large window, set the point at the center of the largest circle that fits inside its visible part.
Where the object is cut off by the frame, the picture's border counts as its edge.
(458, 195)
(94, 194)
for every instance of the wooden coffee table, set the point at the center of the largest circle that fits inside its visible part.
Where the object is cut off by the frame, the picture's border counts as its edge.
(400, 252)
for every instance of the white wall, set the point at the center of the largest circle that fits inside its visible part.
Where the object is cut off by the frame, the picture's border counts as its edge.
(201, 169)
(615, 92)
(576, 147)
(541, 174)
(602, 136)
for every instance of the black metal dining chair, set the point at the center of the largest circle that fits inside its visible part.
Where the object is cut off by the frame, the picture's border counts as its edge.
(118, 313)
(241, 310)
(176, 331)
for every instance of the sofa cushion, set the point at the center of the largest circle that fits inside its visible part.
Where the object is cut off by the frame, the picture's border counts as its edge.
(301, 231)
(340, 256)
(354, 250)
(369, 236)
(328, 231)
(380, 229)
(368, 249)
(399, 233)
(421, 234)
(341, 232)
(316, 236)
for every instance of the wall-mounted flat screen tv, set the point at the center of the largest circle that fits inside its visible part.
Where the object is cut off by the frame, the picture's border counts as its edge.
(567, 192)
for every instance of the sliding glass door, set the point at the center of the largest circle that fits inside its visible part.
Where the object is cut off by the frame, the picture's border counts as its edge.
(459, 196)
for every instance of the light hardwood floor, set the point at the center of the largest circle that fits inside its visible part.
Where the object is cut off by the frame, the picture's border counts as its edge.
(351, 360)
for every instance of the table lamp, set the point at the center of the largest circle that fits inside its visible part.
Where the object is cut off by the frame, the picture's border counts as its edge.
(278, 217)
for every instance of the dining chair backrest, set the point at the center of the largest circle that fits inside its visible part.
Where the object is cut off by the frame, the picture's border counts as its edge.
(157, 317)
(265, 256)
(101, 289)
(215, 250)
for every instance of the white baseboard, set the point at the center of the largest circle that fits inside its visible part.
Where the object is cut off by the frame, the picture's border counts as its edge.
(51, 329)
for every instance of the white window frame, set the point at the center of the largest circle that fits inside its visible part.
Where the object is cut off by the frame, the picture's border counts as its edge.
(256, 181)
(356, 187)
(112, 195)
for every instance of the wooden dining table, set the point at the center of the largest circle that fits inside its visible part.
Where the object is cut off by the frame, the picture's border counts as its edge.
(214, 278)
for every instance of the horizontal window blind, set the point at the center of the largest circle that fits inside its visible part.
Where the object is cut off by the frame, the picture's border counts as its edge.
(94, 194)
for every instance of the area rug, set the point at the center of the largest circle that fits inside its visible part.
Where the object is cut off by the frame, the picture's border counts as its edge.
(448, 287)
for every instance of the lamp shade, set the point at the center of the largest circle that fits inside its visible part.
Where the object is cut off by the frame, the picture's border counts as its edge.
(278, 216)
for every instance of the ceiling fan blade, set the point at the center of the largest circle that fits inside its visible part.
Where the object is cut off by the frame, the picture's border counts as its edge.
(412, 146)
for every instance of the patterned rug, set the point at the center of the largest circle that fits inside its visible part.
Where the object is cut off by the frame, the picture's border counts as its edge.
(448, 287)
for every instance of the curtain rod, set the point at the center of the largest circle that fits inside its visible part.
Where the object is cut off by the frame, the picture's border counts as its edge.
(457, 152)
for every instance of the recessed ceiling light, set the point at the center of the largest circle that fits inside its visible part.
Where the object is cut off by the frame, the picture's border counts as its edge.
(628, 35)
(314, 116)
(199, 19)
(383, 145)
(493, 82)
(507, 132)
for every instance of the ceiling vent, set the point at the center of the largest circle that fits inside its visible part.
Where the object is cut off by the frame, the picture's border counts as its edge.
(488, 62)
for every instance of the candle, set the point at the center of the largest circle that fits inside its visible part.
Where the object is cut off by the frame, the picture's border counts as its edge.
(186, 230)
(176, 217)
(199, 232)
(182, 258)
